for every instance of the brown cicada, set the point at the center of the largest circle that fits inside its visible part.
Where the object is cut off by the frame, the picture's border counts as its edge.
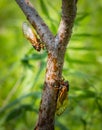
(62, 100)
(32, 37)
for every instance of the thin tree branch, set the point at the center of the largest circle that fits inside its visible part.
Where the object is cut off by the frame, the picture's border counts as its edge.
(67, 20)
(36, 21)
(65, 28)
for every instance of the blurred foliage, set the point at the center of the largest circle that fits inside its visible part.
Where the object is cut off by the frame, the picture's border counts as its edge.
(22, 69)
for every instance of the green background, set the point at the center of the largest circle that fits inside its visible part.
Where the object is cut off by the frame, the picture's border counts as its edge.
(22, 69)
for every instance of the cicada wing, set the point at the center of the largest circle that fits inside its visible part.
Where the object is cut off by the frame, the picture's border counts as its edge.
(31, 36)
(29, 33)
(61, 107)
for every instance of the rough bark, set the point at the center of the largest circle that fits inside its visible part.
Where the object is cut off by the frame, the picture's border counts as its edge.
(56, 47)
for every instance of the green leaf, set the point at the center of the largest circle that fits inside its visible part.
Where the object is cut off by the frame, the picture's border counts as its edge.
(85, 35)
(84, 94)
(44, 9)
(79, 74)
(84, 48)
(17, 101)
(61, 126)
(42, 66)
(13, 114)
(17, 112)
(76, 61)
(46, 13)
(81, 16)
(35, 56)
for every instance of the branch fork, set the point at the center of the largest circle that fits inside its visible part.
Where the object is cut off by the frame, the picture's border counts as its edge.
(56, 47)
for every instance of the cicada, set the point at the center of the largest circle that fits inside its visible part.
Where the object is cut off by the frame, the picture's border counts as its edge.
(32, 36)
(62, 100)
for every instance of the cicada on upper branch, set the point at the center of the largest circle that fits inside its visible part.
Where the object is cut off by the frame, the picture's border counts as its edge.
(32, 37)
(62, 100)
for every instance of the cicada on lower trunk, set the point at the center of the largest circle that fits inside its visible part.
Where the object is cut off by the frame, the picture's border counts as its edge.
(32, 37)
(62, 100)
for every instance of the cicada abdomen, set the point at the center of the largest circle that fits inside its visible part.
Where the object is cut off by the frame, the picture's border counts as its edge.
(31, 36)
(62, 100)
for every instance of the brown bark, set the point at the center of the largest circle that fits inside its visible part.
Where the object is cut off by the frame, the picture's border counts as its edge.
(56, 47)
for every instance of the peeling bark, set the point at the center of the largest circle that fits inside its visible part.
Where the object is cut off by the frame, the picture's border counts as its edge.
(56, 47)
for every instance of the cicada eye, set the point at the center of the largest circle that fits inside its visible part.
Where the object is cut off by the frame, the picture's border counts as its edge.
(27, 31)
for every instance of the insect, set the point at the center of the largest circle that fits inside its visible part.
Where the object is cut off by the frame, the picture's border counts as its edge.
(62, 100)
(32, 37)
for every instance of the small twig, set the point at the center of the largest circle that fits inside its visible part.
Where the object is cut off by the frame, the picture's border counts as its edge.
(67, 20)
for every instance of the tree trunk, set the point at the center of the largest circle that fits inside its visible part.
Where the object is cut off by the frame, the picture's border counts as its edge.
(56, 47)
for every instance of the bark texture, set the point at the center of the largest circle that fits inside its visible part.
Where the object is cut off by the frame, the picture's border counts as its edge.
(56, 47)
